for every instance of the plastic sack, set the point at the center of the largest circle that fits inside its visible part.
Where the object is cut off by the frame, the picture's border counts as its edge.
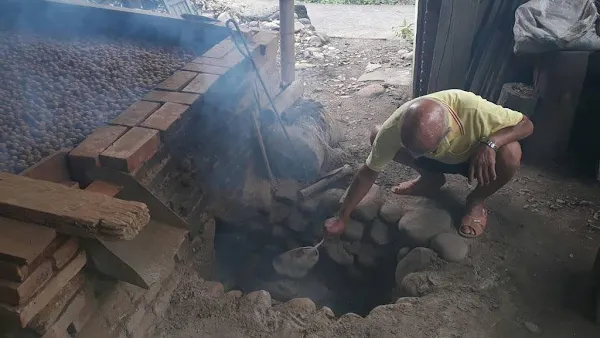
(550, 25)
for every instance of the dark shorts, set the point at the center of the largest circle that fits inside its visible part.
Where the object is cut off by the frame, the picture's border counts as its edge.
(439, 167)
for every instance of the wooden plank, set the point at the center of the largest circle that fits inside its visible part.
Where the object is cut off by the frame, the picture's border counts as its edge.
(456, 30)
(71, 211)
(22, 315)
(23, 242)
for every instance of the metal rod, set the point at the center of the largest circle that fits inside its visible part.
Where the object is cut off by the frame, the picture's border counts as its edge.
(286, 33)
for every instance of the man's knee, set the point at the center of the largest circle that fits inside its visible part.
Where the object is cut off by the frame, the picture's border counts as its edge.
(509, 156)
(373, 133)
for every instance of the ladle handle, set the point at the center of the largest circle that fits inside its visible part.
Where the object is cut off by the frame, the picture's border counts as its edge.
(319, 244)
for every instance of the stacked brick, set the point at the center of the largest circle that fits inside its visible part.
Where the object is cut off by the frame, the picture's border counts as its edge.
(140, 132)
(42, 287)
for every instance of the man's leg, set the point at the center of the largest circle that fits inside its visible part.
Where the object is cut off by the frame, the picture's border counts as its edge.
(427, 182)
(508, 161)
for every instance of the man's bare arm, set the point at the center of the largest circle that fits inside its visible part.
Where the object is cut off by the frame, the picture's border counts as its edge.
(512, 134)
(361, 184)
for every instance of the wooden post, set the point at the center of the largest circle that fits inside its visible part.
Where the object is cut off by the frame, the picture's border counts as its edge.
(286, 31)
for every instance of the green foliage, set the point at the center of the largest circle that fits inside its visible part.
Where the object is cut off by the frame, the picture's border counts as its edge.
(405, 31)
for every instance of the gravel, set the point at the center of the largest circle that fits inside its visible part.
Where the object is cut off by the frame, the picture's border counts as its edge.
(56, 91)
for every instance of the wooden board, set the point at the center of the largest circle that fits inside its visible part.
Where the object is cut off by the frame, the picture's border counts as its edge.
(71, 211)
(23, 242)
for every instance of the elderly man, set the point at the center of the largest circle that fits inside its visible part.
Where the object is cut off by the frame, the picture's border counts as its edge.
(448, 132)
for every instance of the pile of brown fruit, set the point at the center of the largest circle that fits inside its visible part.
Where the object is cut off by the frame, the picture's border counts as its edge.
(56, 91)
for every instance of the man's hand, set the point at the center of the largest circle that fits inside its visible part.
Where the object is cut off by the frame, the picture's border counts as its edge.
(483, 165)
(335, 226)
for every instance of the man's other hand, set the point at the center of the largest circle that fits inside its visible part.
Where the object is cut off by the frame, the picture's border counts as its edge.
(335, 226)
(483, 165)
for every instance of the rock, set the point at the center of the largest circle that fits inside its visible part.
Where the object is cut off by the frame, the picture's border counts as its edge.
(369, 207)
(301, 11)
(450, 247)
(224, 16)
(279, 212)
(335, 249)
(286, 191)
(380, 233)
(416, 284)
(315, 41)
(403, 51)
(407, 56)
(532, 327)
(371, 90)
(310, 28)
(368, 255)
(402, 253)
(257, 299)
(389, 76)
(304, 65)
(287, 289)
(352, 247)
(305, 21)
(421, 225)
(354, 230)
(372, 67)
(270, 25)
(214, 289)
(318, 56)
(418, 259)
(391, 212)
(254, 24)
(310, 206)
(329, 201)
(324, 37)
(234, 294)
(328, 312)
(300, 305)
(278, 231)
(298, 26)
(297, 221)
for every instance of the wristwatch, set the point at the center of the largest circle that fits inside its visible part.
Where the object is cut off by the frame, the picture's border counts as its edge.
(489, 143)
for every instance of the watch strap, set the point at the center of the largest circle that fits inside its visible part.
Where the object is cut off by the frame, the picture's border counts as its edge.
(489, 143)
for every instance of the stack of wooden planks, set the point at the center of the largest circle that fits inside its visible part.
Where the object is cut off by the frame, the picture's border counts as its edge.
(469, 46)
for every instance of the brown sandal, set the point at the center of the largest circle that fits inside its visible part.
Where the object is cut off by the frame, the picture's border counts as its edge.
(475, 225)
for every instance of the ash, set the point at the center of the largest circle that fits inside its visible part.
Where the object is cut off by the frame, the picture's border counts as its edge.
(56, 90)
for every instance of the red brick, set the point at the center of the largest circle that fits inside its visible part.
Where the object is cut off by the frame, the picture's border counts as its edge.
(65, 253)
(105, 188)
(23, 242)
(201, 83)
(53, 168)
(136, 113)
(86, 154)
(130, 152)
(177, 81)
(84, 315)
(204, 68)
(42, 322)
(13, 293)
(165, 119)
(175, 97)
(19, 272)
(22, 315)
(220, 49)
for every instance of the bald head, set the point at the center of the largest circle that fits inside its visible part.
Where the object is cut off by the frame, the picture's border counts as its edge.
(425, 125)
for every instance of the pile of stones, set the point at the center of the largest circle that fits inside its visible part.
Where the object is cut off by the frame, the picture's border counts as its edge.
(55, 91)
(418, 233)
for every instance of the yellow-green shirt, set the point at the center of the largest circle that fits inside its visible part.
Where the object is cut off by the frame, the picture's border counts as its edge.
(471, 118)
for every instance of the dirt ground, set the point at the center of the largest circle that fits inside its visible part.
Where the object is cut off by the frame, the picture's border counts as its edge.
(538, 246)
(530, 267)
